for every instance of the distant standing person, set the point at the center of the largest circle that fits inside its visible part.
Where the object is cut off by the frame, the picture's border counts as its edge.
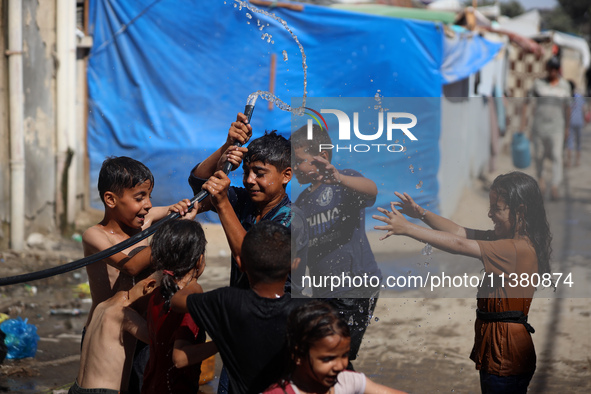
(577, 123)
(551, 118)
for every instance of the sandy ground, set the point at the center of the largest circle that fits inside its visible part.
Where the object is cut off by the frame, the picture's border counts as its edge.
(421, 344)
(416, 341)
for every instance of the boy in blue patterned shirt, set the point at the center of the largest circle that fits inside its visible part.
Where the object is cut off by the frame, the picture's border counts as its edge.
(267, 171)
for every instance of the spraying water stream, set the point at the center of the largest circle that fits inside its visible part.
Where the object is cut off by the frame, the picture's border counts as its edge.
(268, 95)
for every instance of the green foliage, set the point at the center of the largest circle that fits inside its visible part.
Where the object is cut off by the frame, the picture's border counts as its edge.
(578, 10)
(558, 19)
(511, 8)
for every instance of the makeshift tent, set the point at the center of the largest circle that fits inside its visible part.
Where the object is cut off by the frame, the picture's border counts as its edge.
(167, 78)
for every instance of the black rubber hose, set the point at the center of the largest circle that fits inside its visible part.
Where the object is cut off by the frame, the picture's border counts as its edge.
(103, 254)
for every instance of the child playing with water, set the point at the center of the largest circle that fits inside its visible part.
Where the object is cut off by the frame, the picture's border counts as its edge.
(518, 245)
(319, 341)
(105, 361)
(334, 208)
(125, 186)
(176, 343)
(248, 325)
(267, 171)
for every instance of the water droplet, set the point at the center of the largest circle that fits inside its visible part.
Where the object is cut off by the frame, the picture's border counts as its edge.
(350, 322)
(284, 56)
(419, 185)
(427, 250)
(377, 318)
(248, 16)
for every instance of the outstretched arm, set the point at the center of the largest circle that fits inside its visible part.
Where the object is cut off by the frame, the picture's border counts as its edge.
(396, 224)
(181, 207)
(178, 302)
(95, 240)
(217, 186)
(375, 388)
(186, 353)
(411, 209)
(135, 325)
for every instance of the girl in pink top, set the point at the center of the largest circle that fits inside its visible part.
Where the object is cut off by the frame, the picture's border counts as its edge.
(319, 341)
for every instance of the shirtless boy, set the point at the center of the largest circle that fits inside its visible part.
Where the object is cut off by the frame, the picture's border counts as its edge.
(124, 186)
(113, 319)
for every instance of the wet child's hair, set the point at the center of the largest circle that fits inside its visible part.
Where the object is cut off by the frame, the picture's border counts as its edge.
(266, 252)
(308, 324)
(271, 148)
(299, 139)
(176, 248)
(517, 189)
(120, 173)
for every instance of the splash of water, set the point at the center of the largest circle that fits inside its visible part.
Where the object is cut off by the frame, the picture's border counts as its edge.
(266, 95)
(378, 107)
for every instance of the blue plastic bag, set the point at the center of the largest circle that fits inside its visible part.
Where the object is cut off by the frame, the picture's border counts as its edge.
(21, 338)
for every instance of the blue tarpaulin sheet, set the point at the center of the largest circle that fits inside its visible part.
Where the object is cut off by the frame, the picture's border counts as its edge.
(464, 54)
(167, 77)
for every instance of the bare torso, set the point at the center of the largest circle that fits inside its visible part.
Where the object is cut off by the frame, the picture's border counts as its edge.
(105, 362)
(105, 280)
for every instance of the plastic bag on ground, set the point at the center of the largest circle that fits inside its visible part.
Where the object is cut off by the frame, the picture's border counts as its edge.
(21, 338)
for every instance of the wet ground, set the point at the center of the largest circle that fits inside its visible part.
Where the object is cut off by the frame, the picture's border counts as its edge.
(58, 308)
(419, 343)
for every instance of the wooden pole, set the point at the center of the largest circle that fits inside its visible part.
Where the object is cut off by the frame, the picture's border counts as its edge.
(289, 6)
(272, 77)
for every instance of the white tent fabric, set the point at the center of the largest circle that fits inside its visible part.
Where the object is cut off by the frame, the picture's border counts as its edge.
(446, 5)
(570, 41)
(526, 24)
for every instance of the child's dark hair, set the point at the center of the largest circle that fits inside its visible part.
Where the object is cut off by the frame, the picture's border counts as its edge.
(517, 188)
(120, 173)
(266, 252)
(176, 248)
(310, 323)
(271, 148)
(299, 139)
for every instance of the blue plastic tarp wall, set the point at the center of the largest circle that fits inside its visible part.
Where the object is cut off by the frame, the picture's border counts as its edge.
(464, 54)
(166, 79)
